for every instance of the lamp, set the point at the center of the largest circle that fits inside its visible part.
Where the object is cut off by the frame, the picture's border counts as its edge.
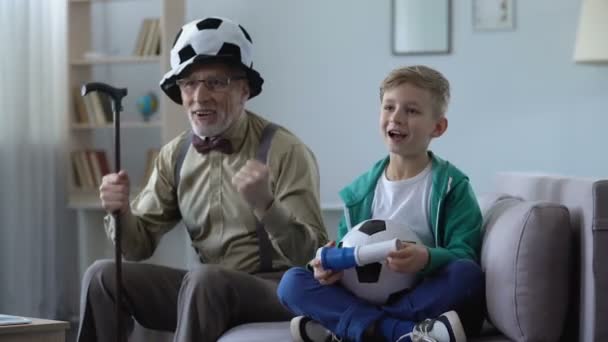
(592, 36)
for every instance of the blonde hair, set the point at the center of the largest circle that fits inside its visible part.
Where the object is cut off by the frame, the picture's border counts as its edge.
(422, 77)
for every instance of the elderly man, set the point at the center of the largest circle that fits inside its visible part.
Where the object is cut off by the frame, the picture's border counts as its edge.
(246, 190)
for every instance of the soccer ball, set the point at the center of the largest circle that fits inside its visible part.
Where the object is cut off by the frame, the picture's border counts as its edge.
(376, 282)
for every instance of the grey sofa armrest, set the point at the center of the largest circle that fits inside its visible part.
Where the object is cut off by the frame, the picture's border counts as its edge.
(587, 201)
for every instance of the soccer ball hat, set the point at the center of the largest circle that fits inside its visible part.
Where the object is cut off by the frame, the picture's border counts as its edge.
(207, 41)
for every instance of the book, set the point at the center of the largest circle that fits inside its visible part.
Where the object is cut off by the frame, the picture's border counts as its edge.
(78, 182)
(85, 173)
(80, 109)
(145, 28)
(90, 110)
(152, 38)
(141, 37)
(104, 164)
(106, 106)
(100, 117)
(10, 320)
(95, 167)
(89, 166)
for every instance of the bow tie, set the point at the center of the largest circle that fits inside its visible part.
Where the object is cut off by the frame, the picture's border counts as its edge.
(203, 146)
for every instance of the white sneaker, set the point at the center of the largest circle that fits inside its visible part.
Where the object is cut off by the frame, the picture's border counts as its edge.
(445, 328)
(304, 329)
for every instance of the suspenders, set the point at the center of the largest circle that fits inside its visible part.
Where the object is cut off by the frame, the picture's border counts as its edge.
(265, 247)
(263, 240)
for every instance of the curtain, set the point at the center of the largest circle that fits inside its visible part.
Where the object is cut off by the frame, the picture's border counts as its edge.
(38, 237)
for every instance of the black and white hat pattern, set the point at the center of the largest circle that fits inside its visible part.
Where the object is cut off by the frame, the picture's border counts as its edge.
(211, 40)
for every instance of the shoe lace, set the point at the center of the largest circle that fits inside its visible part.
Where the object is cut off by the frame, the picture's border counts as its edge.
(333, 338)
(420, 333)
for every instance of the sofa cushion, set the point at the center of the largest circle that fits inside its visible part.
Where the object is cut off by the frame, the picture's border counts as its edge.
(525, 257)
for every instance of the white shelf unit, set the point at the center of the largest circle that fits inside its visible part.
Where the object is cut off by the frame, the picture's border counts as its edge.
(95, 25)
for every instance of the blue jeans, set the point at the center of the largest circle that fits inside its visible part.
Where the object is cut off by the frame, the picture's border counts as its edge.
(457, 286)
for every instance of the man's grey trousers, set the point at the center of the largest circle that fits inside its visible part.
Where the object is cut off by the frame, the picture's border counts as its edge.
(198, 305)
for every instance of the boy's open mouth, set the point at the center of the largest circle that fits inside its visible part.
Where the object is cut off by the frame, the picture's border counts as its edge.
(394, 134)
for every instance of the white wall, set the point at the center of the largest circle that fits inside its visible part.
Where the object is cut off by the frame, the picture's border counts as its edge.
(519, 101)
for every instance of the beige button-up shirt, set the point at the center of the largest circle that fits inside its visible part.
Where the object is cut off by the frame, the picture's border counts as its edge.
(221, 224)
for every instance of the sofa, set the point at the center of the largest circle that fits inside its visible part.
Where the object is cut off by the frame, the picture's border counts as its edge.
(545, 256)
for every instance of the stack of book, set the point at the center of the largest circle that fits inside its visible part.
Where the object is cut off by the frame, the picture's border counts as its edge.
(93, 109)
(148, 39)
(89, 166)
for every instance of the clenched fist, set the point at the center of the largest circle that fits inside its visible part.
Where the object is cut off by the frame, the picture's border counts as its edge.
(114, 192)
(252, 181)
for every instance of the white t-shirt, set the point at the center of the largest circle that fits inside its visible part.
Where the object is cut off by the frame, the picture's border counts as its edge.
(406, 201)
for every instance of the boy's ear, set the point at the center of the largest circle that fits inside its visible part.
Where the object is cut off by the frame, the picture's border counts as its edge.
(440, 127)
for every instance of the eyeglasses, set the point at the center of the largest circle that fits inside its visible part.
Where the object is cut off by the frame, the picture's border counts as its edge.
(216, 84)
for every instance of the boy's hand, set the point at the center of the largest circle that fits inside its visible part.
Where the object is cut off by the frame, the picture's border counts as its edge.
(410, 258)
(325, 277)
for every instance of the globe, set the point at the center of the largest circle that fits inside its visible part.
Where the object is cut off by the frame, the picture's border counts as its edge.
(147, 105)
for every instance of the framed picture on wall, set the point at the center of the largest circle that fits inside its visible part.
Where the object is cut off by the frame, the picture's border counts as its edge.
(421, 26)
(493, 15)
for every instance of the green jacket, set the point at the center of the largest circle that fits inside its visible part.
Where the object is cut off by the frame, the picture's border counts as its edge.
(454, 213)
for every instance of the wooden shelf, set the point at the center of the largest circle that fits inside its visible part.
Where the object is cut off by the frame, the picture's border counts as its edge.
(151, 124)
(114, 60)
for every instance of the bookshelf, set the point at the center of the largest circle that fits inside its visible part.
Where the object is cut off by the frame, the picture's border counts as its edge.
(125, 43)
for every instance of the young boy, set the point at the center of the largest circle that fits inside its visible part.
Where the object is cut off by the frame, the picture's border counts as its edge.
(424, 192)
